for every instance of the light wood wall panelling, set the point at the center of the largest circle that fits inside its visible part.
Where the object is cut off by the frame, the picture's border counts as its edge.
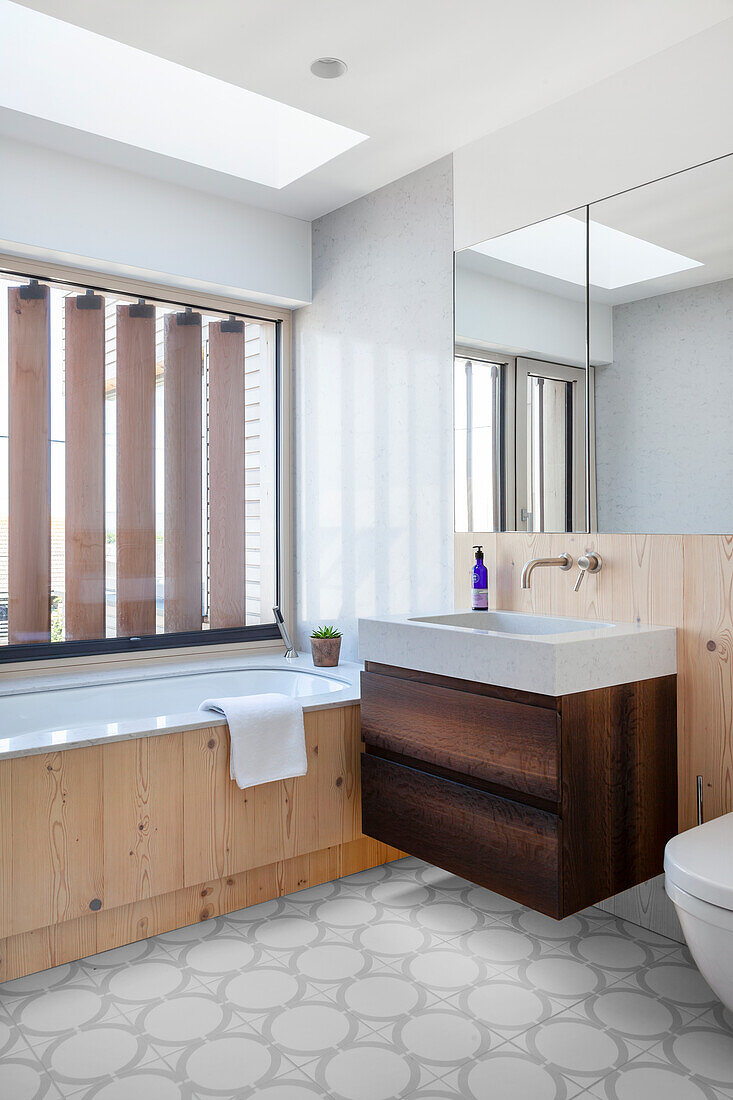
(135, 388)
(85, 609)
(143, 816)
(29, 537)
(227, 594)
(706, 676)
(6, 848)
(56, 821)
(183, 471)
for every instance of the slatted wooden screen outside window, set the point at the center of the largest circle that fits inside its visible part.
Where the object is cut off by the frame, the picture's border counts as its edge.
(137, 467)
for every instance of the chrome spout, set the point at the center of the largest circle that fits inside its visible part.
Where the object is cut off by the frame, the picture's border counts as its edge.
(290, 650)
(564, 561)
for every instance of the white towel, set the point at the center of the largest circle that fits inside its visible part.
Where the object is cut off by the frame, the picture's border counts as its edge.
(267, 737)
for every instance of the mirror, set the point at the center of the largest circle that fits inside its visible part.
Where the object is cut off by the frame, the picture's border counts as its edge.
(519, 372)
(661, 267)
(648, 429)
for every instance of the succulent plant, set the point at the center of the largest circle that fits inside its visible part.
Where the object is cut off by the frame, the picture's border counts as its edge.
(326, 632)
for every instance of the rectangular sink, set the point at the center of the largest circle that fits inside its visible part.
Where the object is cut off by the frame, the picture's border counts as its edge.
(511, 622)
(544, 654)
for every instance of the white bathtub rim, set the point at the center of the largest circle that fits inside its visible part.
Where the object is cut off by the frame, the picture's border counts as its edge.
(84, 736)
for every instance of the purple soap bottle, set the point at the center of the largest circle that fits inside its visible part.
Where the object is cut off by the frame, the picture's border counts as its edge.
(479, 583)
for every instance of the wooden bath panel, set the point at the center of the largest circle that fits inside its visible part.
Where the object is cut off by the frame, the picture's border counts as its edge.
(89, 834)
(75, 939)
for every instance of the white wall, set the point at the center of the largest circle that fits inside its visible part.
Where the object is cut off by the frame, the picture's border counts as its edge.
(374, 409)
(520, 320)
(664, 409)
(59, 207)
(664, 114)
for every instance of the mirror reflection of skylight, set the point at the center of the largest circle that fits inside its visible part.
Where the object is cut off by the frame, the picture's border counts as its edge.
(556, 247)
(74, 77)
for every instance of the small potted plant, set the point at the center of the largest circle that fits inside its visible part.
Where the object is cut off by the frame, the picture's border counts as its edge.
(326, 646)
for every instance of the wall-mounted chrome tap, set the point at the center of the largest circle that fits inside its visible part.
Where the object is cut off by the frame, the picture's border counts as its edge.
(591, 562)
(564, 561)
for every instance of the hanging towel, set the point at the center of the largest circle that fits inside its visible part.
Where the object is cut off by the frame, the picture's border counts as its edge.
(267, 737)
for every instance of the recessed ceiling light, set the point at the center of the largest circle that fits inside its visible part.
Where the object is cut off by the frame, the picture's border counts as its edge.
(328, 67)
(73, 77)
(556, 247)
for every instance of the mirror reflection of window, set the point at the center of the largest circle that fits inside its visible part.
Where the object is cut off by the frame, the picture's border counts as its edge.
(550, 446)
(547, 453)
(477, 436)
(520, 301)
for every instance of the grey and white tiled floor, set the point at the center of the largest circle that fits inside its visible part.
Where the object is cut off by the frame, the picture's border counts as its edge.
(403, 981)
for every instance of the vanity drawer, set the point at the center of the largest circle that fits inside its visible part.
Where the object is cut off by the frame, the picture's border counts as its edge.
(497, 740)
(504, 845)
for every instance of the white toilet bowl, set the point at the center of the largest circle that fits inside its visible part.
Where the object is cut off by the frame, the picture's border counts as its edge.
(698, 867)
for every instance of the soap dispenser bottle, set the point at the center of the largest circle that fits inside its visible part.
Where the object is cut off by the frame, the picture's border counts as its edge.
(479, 583)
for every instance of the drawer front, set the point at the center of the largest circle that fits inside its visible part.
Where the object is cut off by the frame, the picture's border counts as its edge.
(504, 845)
(503, 742)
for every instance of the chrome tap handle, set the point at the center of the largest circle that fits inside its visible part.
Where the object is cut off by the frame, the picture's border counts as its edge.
(588, 563)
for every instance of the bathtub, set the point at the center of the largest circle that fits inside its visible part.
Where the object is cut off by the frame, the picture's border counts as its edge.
(65, 710)
(139, 829)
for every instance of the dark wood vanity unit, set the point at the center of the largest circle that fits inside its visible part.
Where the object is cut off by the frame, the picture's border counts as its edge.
(555, 802)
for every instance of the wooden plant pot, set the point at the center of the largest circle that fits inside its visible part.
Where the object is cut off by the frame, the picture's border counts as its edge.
(325, 651)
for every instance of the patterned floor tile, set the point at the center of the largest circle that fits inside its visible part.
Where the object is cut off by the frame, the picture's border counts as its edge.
(183, 1017)
(675, 979)
(509, 1074)
(402, 981)
(500, 945)
(703, 1050)
(633, 1014)
(576, 1048)
(22, 1075)
(48, 1014)
(153, 1082)
(94, 1054)
(445, 968)
(395, 939)
(506, 1006)
(556, 931)
(383, 997)
(367, 1070)
(441, 1038)
(650, 1079)
(449, 917)
(229, 1064)
(222, 953)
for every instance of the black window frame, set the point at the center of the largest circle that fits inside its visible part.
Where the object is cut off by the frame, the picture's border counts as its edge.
(261, 632)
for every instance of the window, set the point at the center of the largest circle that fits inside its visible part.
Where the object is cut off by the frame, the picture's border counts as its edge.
(478, 495)
(519, 444)
(139, 471)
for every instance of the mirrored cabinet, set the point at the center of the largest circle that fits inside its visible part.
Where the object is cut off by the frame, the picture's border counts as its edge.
(592, 369)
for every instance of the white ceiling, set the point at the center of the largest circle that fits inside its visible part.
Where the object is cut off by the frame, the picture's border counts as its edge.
(425, 76)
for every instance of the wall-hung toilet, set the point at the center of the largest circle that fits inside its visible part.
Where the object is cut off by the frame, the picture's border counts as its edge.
(698, 867)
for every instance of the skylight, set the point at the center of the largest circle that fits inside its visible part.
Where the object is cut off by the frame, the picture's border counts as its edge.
(74, 77)
(557, 248)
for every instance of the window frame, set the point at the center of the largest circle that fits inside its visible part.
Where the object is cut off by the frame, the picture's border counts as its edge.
(526, 368)
(504, 435)
(258, 636)
(513, 371)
